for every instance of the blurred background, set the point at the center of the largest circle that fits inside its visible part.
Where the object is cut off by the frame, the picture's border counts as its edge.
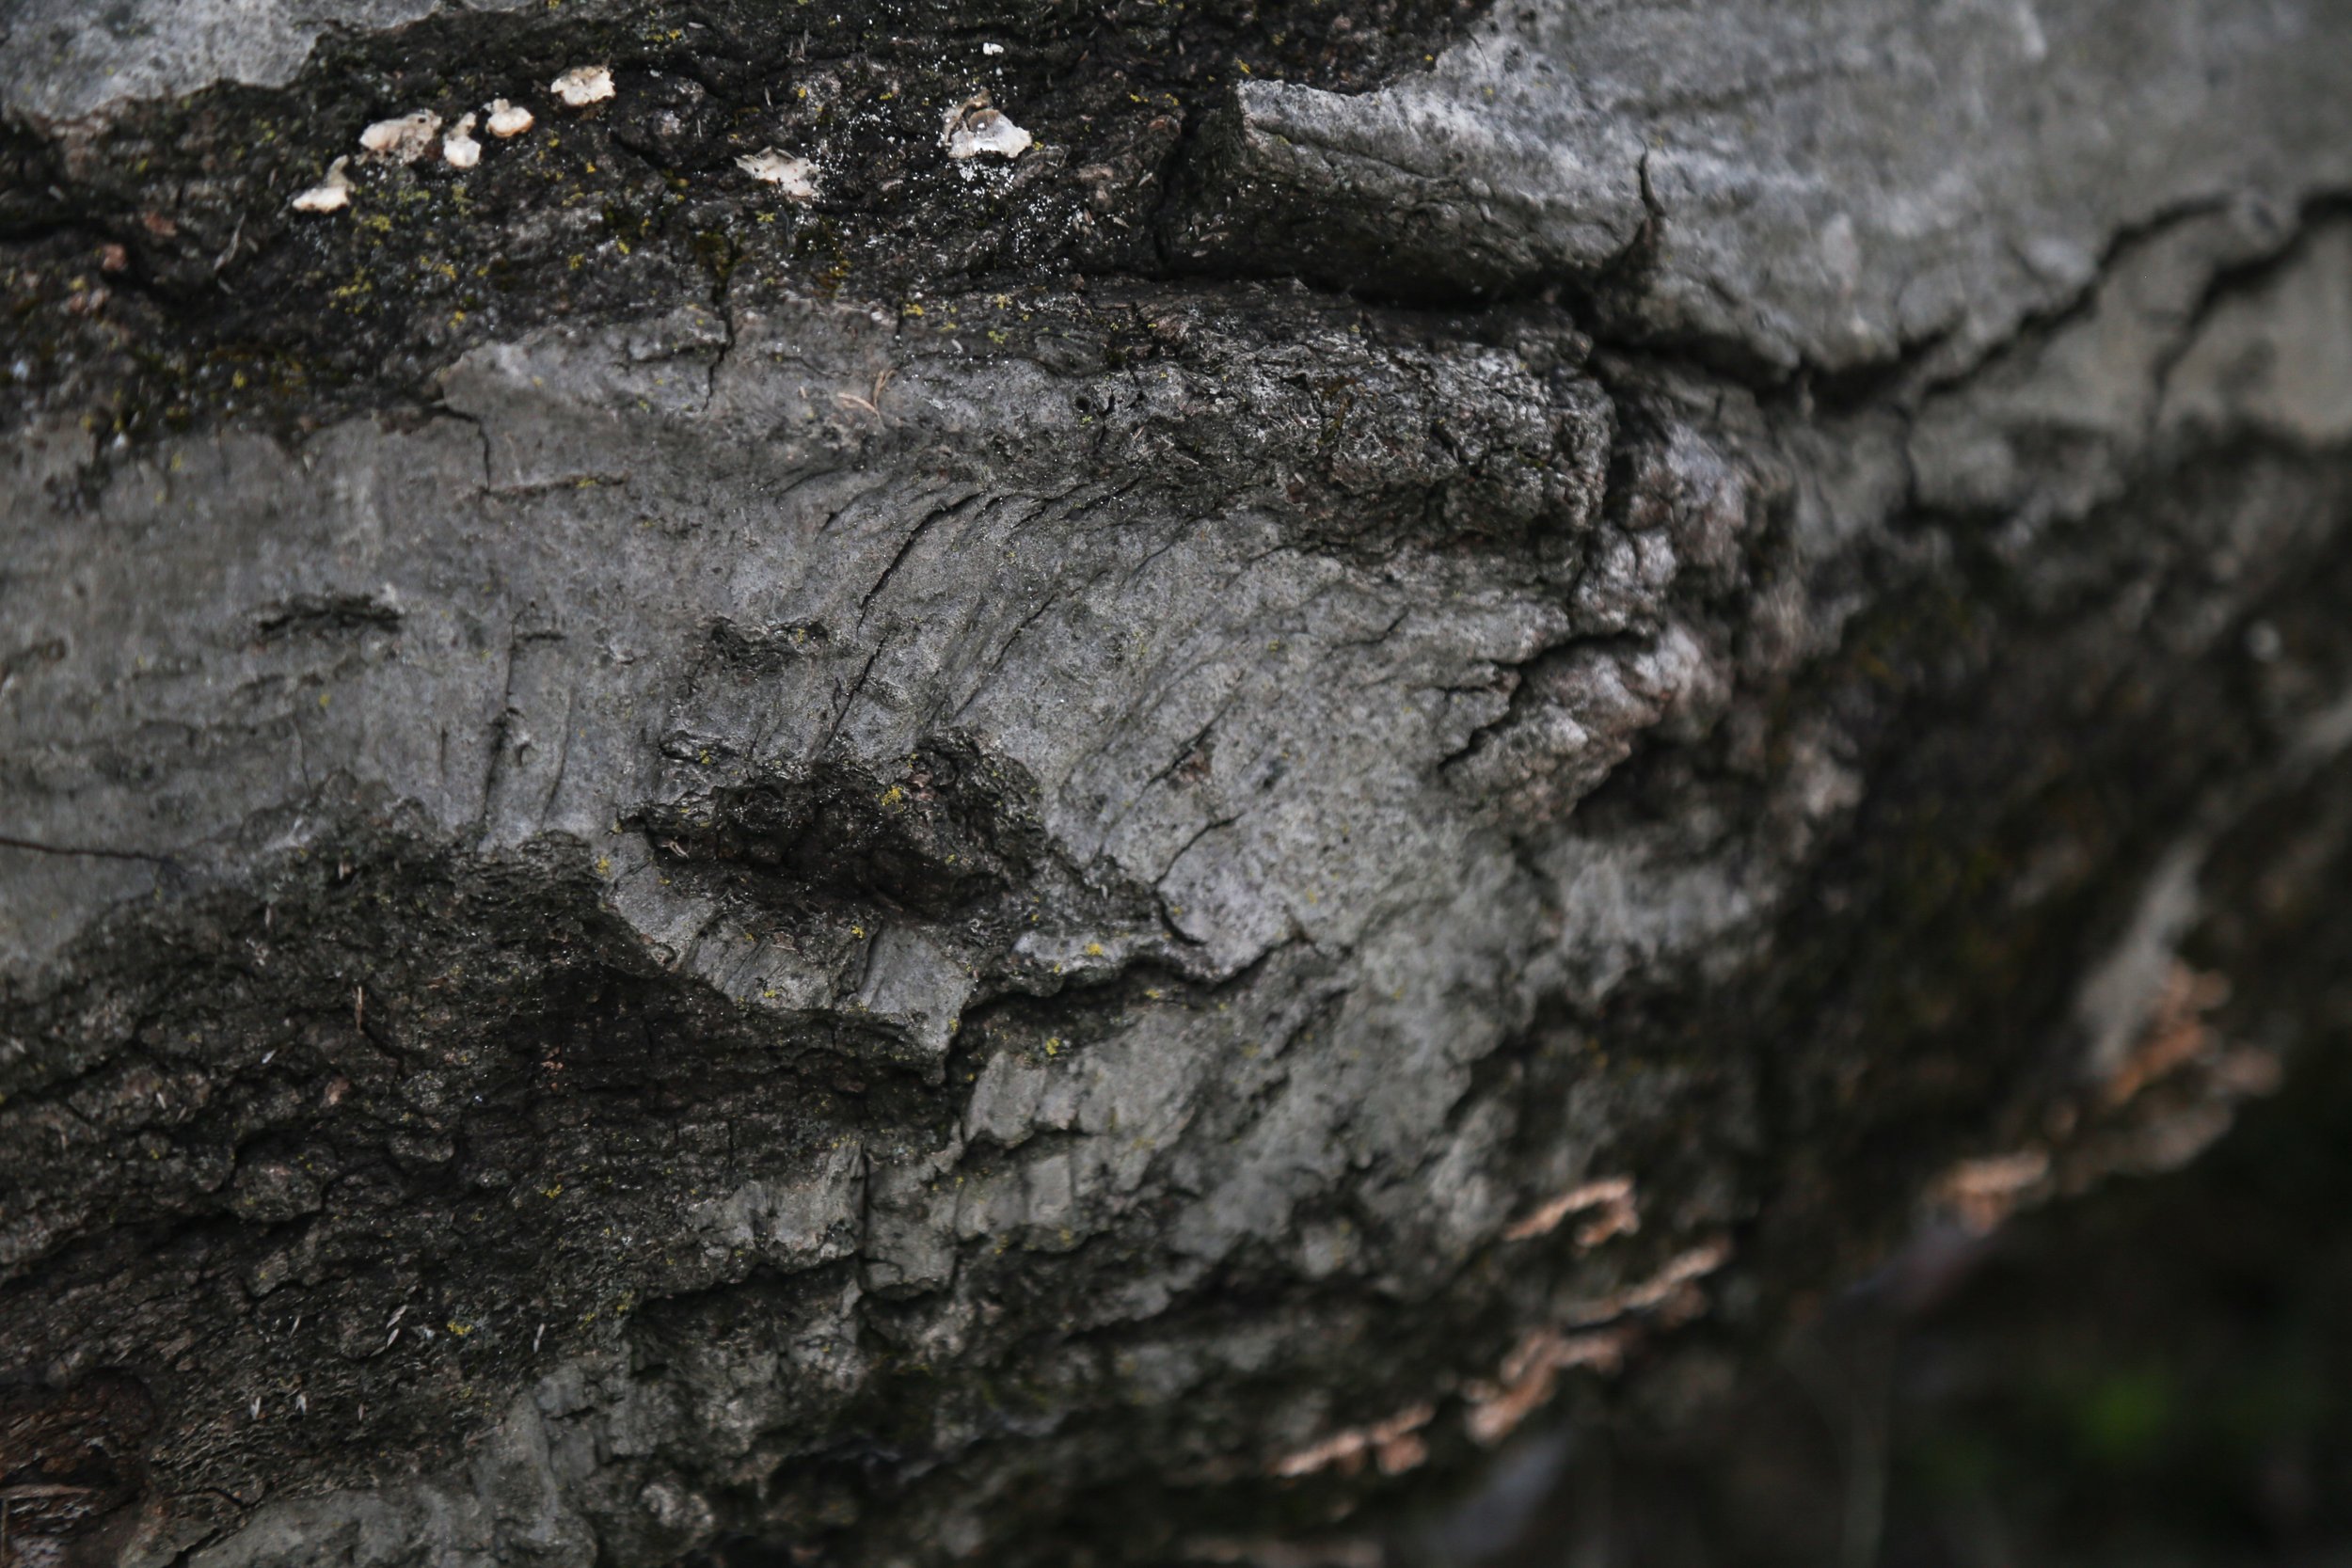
(2157, 1374)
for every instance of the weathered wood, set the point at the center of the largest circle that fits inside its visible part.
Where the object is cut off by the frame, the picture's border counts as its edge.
(1097, 855)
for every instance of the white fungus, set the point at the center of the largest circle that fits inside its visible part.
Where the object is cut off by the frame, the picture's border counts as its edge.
(458, 149)
(404, 139)
(330, 195)
(991, 48)
(795, 177)
(507, 119)
(582, 84)
(974, 127)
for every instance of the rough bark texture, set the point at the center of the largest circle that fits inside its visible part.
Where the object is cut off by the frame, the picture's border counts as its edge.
(1095, 857)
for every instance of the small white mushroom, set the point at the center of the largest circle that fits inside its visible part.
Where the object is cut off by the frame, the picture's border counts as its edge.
(330, 195)
(795, 177)
(974, 127)
(508, 120)
(403, 139)
(582, 84)
(458, 149)
(991, 48)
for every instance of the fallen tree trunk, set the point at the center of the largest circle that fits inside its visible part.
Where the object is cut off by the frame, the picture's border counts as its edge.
(1086, 825)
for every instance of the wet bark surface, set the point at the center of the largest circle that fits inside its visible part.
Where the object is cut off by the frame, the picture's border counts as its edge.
(1101, 851)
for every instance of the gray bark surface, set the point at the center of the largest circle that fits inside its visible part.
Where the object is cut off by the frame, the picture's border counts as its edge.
(1098, 857)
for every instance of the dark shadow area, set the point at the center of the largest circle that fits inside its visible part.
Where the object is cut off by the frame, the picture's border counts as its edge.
(2157, 1374)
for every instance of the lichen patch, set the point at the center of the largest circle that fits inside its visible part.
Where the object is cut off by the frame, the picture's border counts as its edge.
(583, 86)
(1532, 1371)
(458, 149)
(507, 119)
(403, 139)
(976, 126)
(1613, 1195)
(1395, 1444)
(330, 195)
(794, 177)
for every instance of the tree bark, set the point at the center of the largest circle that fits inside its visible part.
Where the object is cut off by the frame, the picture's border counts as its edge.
(1097, 855)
